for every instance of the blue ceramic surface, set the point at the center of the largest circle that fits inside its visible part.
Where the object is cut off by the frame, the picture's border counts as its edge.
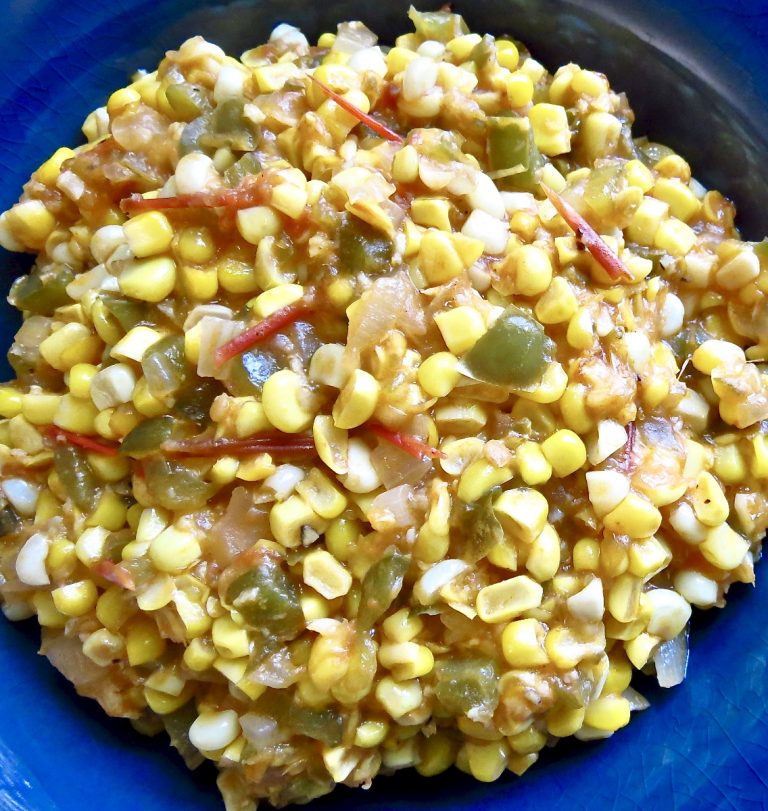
(697, 74)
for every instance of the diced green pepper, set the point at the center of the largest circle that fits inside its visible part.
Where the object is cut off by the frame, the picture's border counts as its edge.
(363, 249)
(511, 148)
(77, 477)
(604, 183)
(129, 313)
(244, 167)
(42, 296)
(10, 523)
(176, 486)
(438, 25)
(514, 352)
(381, 585)
(268, 599)
(147, 437)
(165, 366)
(248, 372)
(464, 685)
(482, 530)
(188, 101)
(651, 153)
(321, 725)
(194, 400)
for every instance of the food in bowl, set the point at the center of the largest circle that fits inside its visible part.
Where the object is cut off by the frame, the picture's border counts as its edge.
(376, 408)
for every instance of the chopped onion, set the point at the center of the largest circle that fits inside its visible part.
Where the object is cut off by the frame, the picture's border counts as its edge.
(353, 37)
(242, 524)
(22, 495)
(284, 480)
(591, 734)
(277, 671)
(201, 311)
(671, 660)
(261, 730)
(636, 700)
(30, 562)
(396, 467)
(214, 333)
(394, 509)
(389, 302)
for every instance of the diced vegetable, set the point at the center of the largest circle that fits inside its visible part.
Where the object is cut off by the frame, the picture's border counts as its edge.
(381, 585)
(363, 249)
(514, 160)
(467, 686)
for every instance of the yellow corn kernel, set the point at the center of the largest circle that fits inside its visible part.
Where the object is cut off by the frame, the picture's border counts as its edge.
(619, 673)
(438, 259)
(199, 655)
(640, 648)
(75, 414)
(62, 558)
(288, 402)
(31, 223)
(230, 640)
(236, 276)
(532, 464)
(519, 89)
(47, 614)
(321, 495)
(522, 643)
(323, 573)
(405, 165)
(109, 513)
(682, 202)
(713, 353)
(163, 703)
(646, 221)
(174, 550)
(741, 269)
(200, 284)
(135, 343)
(565, 451)
(75, 599)
(563, 721)
(432, 211)
(586, 555)
(635, 516)
(647, 557)
(371, 733)
(103, 647)
(558, 304)
(607, 713)
(599, 135)
(144, 402)
(286, 519)
(730, 466)
(724, 548)
(543, 558)
(232, 669)
(522, 513)
(148, 234)
(258, 222)
(289, 200)
(48, 172)
(270, 78)
(503, 601)
(551, 130)
(461, 47)
(10, 402)
(143, 642)
(196, 245)
(71, 344)
(402, 626)
(438, 374)
(356, 401)
(564, 649)
(533, 270)
(639, 175)
(275, 299)
(480, 477)
(624, 598)
(79, 380)
(406, 660)
(461, 328)
(148, 279)
(486, 761)
(675, 237)
(759, 465)
(709, 501)
(399, 698)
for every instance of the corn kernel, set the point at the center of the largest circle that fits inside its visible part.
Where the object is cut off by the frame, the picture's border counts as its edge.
(406, 660)
(399, 698)
(682, 202)
(148, 279)
(730, 466)
(522, 643)
(356, 401)
(675, 237)
(148, 234)
(532, 464)
(558, 304)
(109, 513)
(47, 614)
(73, 343)
(230, 640)
(599, 135)
(461, 328)
(565, 451)
(75, 599)
(323, 573)
(551, 130)
(480, 477)
(195, 245)
(503, 601)
(174, 550)
(522, 513)
(635, 516)
(724, 548)
(10, 402)
(607, 713)
(543, 558)
(486, 761)
(288, 402)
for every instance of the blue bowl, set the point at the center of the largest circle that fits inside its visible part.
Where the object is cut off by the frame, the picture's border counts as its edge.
(698, 80)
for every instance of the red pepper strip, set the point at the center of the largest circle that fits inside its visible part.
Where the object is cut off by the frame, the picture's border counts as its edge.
(115, 574)
(85, 442)
(249, 193)
(587, 235)
(259, 332)
(276, 444)
(369, 121)
(406, 442)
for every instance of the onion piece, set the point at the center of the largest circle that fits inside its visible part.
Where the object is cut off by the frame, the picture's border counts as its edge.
(636, 700)
(394, 509)
(353, 37)
(671, 660)
(214, 334)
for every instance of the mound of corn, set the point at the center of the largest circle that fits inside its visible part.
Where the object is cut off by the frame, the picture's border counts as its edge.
(376, 407)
